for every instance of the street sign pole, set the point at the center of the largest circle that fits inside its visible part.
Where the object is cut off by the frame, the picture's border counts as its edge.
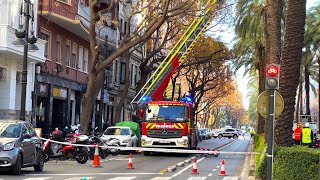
(270, 134)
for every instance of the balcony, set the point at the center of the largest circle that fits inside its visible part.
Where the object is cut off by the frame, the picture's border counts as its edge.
(7, 36)
(75, 19)
(84, 16)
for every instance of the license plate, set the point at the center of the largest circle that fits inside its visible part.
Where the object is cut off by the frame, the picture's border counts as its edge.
(164, 141)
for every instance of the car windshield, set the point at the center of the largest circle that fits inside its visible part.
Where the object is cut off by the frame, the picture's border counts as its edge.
(10, 130)
(117, 131)
(166, 113)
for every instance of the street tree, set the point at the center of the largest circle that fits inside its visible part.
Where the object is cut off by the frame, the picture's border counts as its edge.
(290, 68)
(250, 48)
(161, 11)
(206, 73)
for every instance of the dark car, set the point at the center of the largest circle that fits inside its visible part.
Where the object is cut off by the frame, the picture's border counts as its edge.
(229, 133)
(19, 147)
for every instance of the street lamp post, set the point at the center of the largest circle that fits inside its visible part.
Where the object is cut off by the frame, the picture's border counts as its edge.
(23, 40)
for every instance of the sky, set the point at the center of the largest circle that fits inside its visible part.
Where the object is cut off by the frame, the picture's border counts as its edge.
(227, 35)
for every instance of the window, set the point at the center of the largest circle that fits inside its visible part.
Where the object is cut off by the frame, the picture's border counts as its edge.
(74, 55)
(121, 30)
(132, 75)
(80, 64)
(125, 27)
(68, 52)
(46, 35)
(123, 73)
(58, 49)
(136, 76)
(116, 71)
(65, 1)
(85, 60)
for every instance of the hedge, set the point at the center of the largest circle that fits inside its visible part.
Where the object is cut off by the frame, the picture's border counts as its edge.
(260, 159)
(297, 162)
(294, 163)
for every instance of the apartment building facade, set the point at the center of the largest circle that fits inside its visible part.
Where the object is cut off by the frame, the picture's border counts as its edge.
(63, 25)
(11, 60)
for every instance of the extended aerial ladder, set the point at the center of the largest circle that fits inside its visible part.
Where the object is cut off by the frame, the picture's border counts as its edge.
(158, 81)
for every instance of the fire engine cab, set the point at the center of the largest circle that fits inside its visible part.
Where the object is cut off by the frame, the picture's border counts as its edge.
(168, 124)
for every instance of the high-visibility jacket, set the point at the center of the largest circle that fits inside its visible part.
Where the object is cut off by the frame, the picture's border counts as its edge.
(306, 135)
(297, 134)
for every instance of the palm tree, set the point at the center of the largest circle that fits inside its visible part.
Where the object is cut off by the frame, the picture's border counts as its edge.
(290, 68)
(250, 48)
(312, 40)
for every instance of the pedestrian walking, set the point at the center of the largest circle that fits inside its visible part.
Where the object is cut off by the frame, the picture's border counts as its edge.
(297, 135)
(307, 135)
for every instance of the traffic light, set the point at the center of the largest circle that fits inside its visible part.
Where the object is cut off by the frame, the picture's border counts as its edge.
(272, 76)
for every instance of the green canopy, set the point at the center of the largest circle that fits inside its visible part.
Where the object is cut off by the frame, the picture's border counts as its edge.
(134, 126)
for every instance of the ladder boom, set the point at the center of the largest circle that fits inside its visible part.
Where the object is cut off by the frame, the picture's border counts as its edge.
(180, 51)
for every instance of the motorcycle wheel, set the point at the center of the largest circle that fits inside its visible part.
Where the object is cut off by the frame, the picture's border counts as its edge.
(116, 153)
(103, 154)
(82, 156)
(91, 153)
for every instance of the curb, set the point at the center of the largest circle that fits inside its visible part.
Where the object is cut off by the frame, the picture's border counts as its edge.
(180, 164)
(248, 166)
(171, 169)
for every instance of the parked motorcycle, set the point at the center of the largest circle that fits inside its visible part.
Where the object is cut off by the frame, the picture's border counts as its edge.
(54, 150)
(95, 139)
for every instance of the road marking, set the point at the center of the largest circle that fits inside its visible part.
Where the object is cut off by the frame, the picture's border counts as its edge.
(210, 174)
(230, 178)
(91, 174)
(197, 178)
(176, 174)
(77, 178)
(123, 178)
(41, 178)
(214, 170)
(161, 178)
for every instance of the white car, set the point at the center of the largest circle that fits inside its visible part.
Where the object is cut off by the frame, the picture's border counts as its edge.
(124, 134)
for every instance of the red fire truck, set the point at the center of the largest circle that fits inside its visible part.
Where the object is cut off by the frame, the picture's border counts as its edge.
(168, 124)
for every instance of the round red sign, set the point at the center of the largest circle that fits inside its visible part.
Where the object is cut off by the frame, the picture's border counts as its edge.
(272, 70)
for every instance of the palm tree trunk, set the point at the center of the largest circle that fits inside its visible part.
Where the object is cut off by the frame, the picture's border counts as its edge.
(307, 88)
(319, 95)
(298, 103)
(290, 69)
(261, 120)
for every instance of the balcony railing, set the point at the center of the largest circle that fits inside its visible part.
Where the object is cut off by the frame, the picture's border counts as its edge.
(84, 17)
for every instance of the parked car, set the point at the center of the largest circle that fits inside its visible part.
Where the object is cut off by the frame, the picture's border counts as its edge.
(124, 134)
(204, 133)
(216, 132)
(19, 147)
(229, 133)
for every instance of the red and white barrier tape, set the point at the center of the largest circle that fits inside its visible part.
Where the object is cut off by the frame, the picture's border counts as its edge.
(204, 151)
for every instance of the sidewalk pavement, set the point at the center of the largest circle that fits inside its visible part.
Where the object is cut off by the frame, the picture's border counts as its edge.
(249, 165)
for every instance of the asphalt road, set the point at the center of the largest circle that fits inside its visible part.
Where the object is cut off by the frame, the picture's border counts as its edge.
(145, 167)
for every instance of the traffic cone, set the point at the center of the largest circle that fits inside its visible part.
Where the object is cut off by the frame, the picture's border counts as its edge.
(96, 159)
(194, 168)
(130, 165)
(223, 169)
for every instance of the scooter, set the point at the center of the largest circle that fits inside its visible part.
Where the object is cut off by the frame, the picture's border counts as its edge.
(62, 151)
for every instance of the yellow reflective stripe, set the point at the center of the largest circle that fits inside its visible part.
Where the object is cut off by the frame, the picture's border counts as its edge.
(176, 126)
(181, 126)
(148, 125)
(153, 126)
